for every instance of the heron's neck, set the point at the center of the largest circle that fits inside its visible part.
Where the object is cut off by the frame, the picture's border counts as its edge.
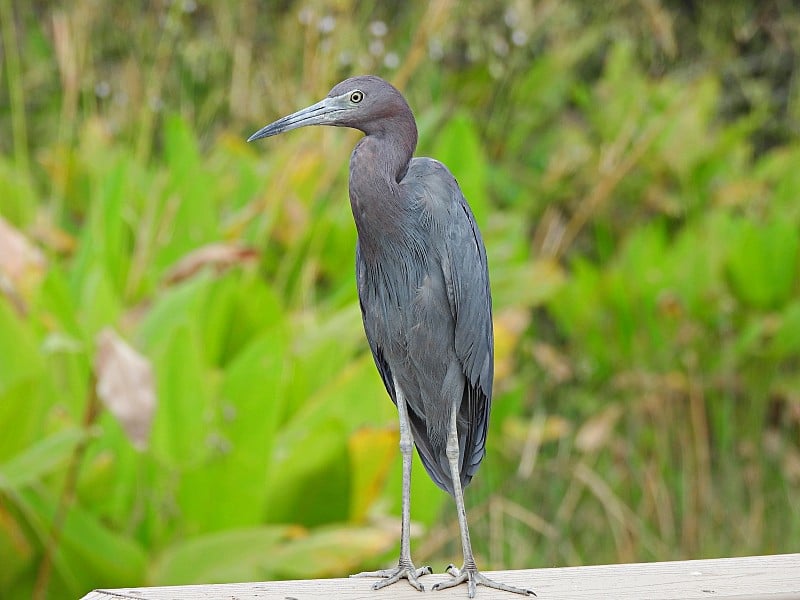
(378, 164)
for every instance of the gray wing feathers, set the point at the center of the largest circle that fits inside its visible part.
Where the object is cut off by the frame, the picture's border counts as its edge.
(465, 271)
(454, 256)
(372, 338)
(473, 333)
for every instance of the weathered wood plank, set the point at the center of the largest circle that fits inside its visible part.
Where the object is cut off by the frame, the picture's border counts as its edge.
(753, 578)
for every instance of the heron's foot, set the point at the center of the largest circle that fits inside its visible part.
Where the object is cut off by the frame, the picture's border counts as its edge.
(473, 578)
(404, 570)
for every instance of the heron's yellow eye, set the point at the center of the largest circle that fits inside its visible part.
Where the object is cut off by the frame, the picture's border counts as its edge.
(356, 96)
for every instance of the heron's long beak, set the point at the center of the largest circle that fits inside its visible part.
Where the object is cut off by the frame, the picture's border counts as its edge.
(322, 113)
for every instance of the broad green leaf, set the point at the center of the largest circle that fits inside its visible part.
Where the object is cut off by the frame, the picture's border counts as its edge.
(250, 406)
(309, 478)
(188, 205)
(36, 523)
(25, 384)
(19, 356)
(786, 342)
(762, 262)
(40, 459)
(182, 423)
(99, 302)
(177, 307)
(323, 348)
(103, 257)
(355, 397)
(354, 400)
(427, 500)
(240, 307)
(56, 300)
(526, 284)
(459, 147)
(95, 555)
(334, 551)
(23, 415)
(229, 556)
(115, 478)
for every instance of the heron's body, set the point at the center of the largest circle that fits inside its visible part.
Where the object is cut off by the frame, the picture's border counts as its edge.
(423, 286)
(428, 321)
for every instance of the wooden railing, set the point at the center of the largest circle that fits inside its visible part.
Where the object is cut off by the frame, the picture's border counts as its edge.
(753, 578)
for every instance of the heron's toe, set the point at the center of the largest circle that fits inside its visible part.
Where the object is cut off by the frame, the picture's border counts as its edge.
(473, 578)
(402, 571)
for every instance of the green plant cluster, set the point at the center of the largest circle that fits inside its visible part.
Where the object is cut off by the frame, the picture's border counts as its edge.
(634, 169)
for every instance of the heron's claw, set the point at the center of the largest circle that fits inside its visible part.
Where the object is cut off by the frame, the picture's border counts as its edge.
(473, 578)
(401, 571)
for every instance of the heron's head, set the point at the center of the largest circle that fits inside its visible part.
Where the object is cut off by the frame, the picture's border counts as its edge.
(366, 102)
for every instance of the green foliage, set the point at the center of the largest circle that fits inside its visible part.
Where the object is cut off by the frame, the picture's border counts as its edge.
(762, 264)
(642, 230)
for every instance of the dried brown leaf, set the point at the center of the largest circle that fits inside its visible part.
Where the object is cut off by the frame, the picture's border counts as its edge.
(218, 256)
(21, 263)
(125, 385)
(555, 363)
(19, 258)
(595, 433)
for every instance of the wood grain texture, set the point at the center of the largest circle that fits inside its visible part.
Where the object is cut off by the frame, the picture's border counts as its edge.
(753, 578)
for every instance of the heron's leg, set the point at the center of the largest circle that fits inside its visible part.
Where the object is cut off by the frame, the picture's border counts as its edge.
(405, 568)
(468, 573)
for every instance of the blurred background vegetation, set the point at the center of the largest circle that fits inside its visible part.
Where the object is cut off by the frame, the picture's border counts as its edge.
(633, 165)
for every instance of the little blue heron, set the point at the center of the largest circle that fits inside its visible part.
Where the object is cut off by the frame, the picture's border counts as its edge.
(423, 287)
